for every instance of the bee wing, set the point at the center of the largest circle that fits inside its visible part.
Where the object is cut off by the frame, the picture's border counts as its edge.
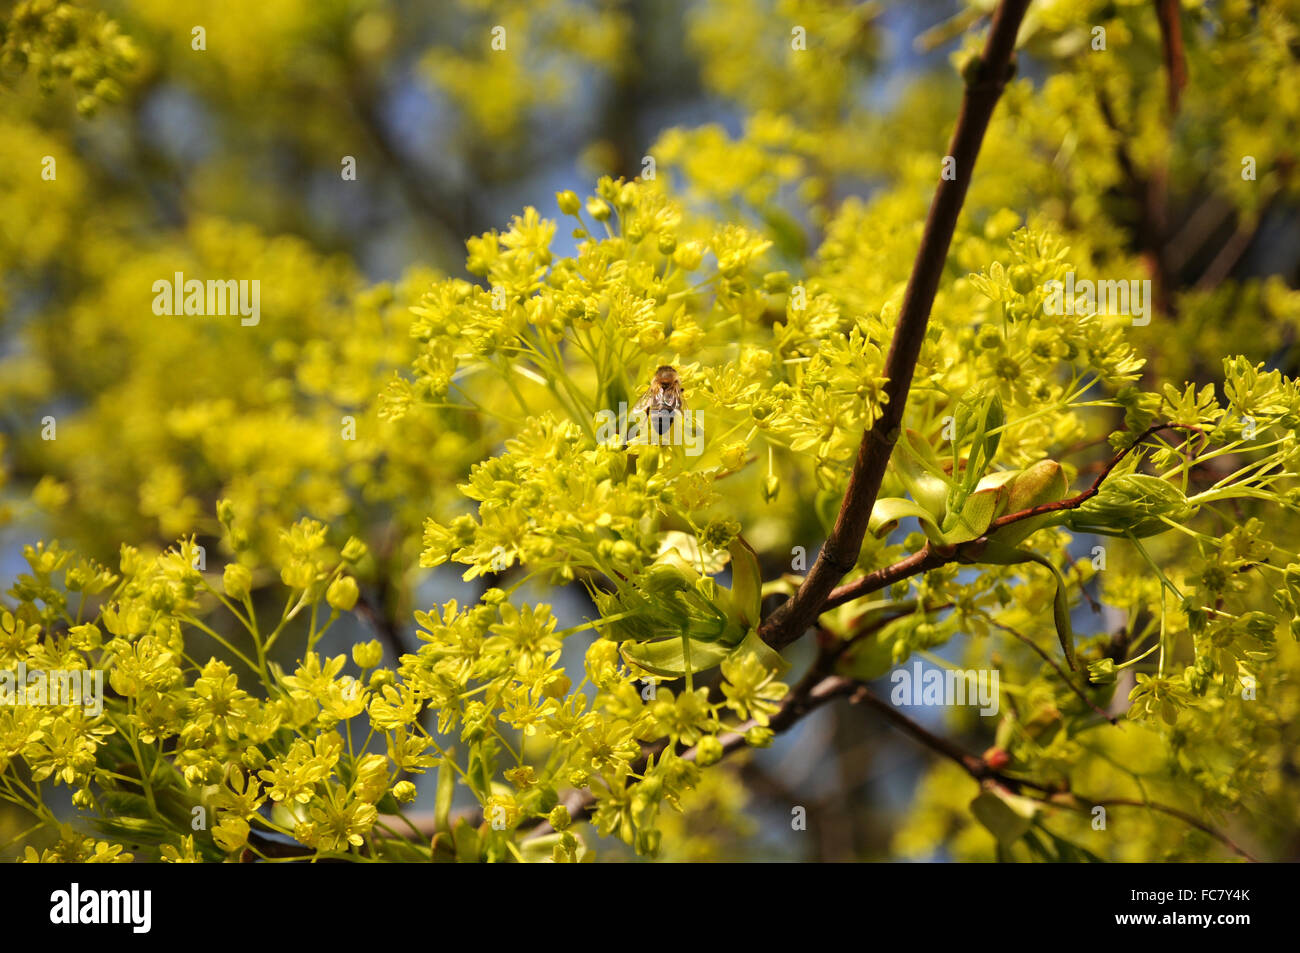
(643, 404)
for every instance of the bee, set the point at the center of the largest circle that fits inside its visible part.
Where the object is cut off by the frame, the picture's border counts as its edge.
(662, 400)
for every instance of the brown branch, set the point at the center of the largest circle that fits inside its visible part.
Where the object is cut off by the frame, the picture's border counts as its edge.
(975, 766)
(980, 771)
(1218, 270)
(1183, 816)
(1201, 225)
(811, 693)
(923, 560)
(932, 556)
(383, 626)
(796, 705)
(840, 552)
(1057, 668)
(1148, 193)
(1076, 501)
(818, 687)
(446, 215)
(1171, 40)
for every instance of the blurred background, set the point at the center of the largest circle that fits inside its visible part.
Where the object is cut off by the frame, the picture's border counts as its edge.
(232, 158)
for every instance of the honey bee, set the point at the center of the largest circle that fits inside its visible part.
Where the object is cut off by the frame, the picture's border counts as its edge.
(662, 400)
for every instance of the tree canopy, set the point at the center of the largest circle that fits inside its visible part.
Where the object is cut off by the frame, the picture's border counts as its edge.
(324, 329)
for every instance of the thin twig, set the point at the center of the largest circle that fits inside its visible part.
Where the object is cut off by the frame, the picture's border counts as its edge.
(840, 552)
(809, 695)
(980, 770)
(1059, 671)
(933, 556)
(382, 625)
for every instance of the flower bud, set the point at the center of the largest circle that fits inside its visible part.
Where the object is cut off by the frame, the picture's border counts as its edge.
(1022, 279)
(404, 792)
(996, 758)
(343, 593)
(688, 257)
(237, 580)
(647, 842)
(1044, 482)
(759, 736)
(1102, 671)
(568, 201)
(598, 209)
(354, 550)
(368, 654)
(559, 817)
(708, 750)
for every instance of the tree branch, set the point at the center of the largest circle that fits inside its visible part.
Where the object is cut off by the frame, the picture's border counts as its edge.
(932, 556)
(1057, 668)
(980, 771)
(1148, 194)
(383, 625)
(840, 552)
(809, 695)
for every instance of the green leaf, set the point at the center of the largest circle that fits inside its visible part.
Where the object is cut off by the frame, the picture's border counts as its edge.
(870, 658)
(133, 830)
(667, 657)
(826, 505)
(746, 583)
(467, 843)
(446, 790)
(126, 803)
(1057, 850)
(976, 515)
(979, 418)
(1007, 816)
(888, 511)
(772, 660)
(1061, 616)
(920, 472)
(999, 554)
(870, 614)
(872, 654)
(1044, 482)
